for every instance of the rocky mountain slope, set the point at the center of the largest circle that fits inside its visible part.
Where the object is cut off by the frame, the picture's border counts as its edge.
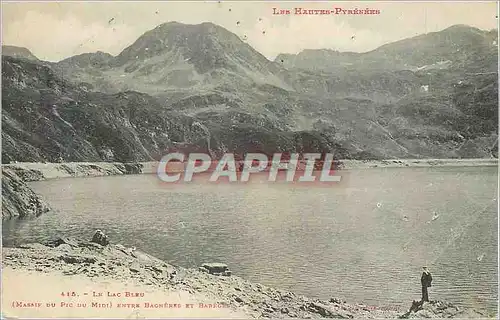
(18, 52)
(201, 86)
(45, 118)
(176, 57)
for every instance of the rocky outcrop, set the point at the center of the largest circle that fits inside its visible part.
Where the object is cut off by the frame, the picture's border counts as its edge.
(439, 309)
(100, 238)
(132, 168)
(116, 262)
(18, 199)
(217, 269)
(27, 174)
(76, 256)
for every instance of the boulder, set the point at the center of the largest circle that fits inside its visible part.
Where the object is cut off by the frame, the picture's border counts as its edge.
(133, 168)
(219, 269)
(64, 247)
(203, 269)
(63, 241)
(100, 238)
(78, 259)
(326, 312)
(337, 300)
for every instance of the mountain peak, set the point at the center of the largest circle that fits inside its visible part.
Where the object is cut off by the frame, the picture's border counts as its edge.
(462, 28)
(91, 59)
(464, 31)
(18, 52)
(207, 46)
(186, 29)
(176, 36)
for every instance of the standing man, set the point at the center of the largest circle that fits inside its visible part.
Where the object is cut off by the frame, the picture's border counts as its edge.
(426, 280)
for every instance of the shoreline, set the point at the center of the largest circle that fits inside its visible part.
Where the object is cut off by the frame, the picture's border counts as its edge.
(417, 163)
(36, 171)
(88, 269)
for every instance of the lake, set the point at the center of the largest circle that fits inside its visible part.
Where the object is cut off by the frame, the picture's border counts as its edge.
(363, 240)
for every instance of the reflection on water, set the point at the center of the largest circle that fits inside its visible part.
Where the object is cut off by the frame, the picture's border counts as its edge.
(364, 240)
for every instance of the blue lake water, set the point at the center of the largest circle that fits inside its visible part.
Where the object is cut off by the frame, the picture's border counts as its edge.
(363, 240)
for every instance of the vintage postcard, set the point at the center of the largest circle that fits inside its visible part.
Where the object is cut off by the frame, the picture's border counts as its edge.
(249, 159)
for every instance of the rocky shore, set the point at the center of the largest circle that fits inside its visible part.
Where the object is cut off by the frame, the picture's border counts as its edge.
(18, 199)
(36, 171)
(417, 163)
(67, 258)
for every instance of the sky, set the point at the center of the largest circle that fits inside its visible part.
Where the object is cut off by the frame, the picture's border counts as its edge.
(54, 30)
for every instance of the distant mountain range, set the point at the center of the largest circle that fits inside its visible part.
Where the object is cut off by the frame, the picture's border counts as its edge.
(201, 86)
(457, 44)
